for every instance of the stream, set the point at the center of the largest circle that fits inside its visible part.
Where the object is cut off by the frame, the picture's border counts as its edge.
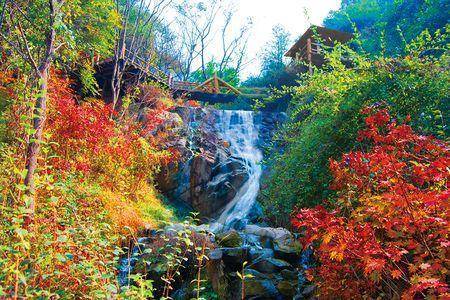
(221, 179)
(238, 128)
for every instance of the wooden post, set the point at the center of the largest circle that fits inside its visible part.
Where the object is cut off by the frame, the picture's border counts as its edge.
(309, 55)
(216, 84)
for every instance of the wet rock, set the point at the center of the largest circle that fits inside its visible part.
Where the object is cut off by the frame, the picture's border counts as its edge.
(287, 288)
(289, 275)
(271, 265)
(289, 252)
(234, 258)
(230, 239)
(261, 288)
(309, 290)
(258, 254)
(215, 254)
(278, 234)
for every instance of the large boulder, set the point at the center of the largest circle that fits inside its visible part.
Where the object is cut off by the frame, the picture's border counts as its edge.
(287, 288)
(272, 265)
(234, 258)
(230, 238)
(289, 251)
(260, 289)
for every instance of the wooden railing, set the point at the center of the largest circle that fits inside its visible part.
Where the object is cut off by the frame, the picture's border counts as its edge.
(146, 67)
(217, 84)
(315, 48)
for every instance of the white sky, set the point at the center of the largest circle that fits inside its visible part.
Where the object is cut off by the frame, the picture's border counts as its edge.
(294, 15)
(288, 13)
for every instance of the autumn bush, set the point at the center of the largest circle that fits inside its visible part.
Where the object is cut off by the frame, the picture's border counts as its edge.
(387, 234)
(95, 191)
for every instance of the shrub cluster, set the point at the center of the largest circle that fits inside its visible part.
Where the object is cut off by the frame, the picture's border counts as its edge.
(387, 232)
(324, 116)
(94, 190)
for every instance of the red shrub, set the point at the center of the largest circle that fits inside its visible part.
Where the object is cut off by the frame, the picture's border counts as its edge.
(85, 134)
(388, 232)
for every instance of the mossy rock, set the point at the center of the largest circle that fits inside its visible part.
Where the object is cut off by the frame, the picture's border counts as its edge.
(230, 239)
(287, 289)
(260, 288)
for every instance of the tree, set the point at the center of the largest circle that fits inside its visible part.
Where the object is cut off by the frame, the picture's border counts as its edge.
(386, 25)
(324, 119)
(230, 75)
(273, 67)
(134, 39)
(36, 50)
(197, 23)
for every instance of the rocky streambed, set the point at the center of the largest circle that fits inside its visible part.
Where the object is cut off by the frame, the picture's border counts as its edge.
(274, 265)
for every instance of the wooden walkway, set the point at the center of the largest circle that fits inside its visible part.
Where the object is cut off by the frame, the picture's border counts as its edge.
(138, 67)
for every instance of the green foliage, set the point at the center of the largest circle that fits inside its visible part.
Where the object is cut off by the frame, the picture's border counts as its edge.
(273, 67)
(324, 117)
(88, 82)
(84, 29)
(387, 25)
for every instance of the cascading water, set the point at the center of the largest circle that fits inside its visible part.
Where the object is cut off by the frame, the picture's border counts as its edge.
(238, 128)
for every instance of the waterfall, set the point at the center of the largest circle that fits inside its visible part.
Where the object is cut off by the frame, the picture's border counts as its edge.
(239, 130)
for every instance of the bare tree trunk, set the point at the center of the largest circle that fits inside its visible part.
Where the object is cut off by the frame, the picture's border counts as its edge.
(40, 108)
(34, 143)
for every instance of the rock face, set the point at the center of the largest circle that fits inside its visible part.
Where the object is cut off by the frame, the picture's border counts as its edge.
(273, 266)
(208, 176)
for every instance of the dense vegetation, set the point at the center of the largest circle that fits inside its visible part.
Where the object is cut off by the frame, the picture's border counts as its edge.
(387, 26)
(325, 118)
(94, 190)
(360, 169)
(387, 233)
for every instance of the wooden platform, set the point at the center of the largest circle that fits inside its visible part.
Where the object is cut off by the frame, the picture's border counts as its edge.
(214, 90)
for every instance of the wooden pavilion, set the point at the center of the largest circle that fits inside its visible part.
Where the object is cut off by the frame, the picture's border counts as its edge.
(309, 48)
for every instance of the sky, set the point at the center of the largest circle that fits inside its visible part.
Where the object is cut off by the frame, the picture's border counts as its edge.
(288, 13)
(294, 15)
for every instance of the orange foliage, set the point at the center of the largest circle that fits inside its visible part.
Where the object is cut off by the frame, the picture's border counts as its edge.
(193, 103)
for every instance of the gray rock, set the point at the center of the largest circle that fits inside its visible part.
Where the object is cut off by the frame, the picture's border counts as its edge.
(261, 288)
(271, 265)
(289, 252)
(230, 239)
(289, 275)
(309, 290)
(234, 258)
(278, 234)
(258, 254)
(287, 288)
(215, 254)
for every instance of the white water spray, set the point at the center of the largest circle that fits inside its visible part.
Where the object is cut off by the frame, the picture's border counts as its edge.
(238, 129)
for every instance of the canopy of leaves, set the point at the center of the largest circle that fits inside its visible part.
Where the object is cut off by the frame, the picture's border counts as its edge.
(388, 25)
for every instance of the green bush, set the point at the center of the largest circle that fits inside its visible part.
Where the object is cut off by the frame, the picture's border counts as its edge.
(324, 117)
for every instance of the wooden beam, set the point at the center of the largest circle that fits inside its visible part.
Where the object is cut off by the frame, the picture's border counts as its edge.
(204, 84)
(216, 84)
(309, 54)
(230, 87)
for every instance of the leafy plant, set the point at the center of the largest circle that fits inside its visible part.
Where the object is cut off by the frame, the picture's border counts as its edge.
(324, 117)
(387, 233)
